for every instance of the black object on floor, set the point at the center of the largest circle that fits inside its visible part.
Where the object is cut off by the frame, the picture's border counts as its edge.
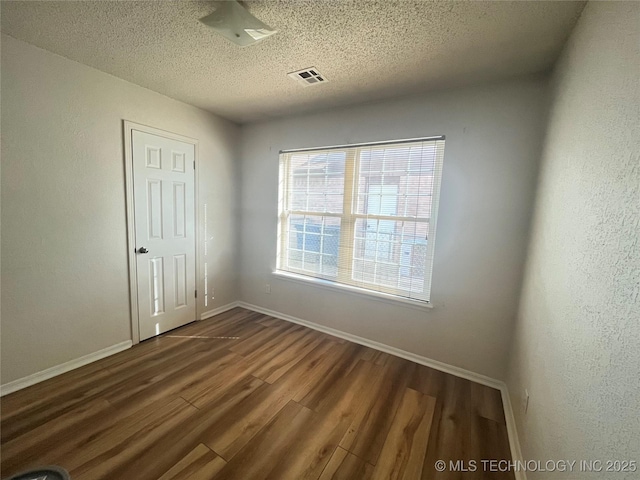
(43, 473)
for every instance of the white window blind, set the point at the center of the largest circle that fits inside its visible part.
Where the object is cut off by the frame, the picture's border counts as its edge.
(362, 215)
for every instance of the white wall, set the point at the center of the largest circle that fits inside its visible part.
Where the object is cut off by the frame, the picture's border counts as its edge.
(576, 345)
(493, 136)
(64, 244)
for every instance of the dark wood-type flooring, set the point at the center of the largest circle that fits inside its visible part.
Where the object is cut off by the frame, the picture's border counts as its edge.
(246, 396)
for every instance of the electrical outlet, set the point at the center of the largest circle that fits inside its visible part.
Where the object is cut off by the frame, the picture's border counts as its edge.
(525, 401)
(267, 288)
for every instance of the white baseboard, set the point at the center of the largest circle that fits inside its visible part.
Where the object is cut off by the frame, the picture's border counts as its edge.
(219, 310)
(38, 377)
(514, 444)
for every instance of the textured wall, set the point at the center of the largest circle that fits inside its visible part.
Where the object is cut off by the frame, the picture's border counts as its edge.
(493, 135)
(577, 340)
(64, 245)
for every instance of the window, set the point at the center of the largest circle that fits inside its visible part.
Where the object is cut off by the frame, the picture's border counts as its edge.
(362, 216)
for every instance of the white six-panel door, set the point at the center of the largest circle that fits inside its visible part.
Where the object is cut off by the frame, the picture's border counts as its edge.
(164, 204)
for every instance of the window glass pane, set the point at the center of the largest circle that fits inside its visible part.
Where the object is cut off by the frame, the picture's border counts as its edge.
(317, 182)
(390, 253)
(313, 244)
(396, 180)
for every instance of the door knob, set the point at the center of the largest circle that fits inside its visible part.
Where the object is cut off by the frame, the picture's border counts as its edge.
(143, 250)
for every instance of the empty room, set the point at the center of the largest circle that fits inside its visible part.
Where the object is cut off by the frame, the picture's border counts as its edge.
(320, 239)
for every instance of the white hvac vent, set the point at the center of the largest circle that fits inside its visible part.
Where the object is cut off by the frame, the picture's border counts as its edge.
(308, 76)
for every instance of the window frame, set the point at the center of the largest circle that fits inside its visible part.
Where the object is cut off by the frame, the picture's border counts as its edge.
(348, 218)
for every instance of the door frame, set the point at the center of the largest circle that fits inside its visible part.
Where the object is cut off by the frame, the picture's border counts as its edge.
(128, 128)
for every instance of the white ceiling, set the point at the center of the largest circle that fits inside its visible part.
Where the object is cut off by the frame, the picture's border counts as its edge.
(368, 50)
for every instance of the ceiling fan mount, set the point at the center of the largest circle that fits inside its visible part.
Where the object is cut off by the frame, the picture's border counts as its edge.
(234, 22)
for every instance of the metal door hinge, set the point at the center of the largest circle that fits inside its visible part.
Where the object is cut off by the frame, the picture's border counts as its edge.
(196, 292)
(194, 164)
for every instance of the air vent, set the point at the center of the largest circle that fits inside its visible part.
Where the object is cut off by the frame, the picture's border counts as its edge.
(308, 76)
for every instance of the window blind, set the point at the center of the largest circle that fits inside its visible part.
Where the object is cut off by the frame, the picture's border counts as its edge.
(362, 215)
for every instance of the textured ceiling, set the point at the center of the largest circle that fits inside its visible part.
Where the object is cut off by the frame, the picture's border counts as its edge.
(368, 50)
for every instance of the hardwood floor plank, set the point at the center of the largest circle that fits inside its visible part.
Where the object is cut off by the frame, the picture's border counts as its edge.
(60, 401)
(310, 367)
(428, 381)
(453, 436)
(296, 444)
(345, 395)
(272, 348)
(232, 327)
(199, 464)
(175, 373)
(269, 321)
(487, 402)
(231, 318)
(279, 364)
(139, 354)
(369, 429)
(333, 368)
(231, 433)
(317, 437)
(83, 444)
(176, 442)
(33, 393)
(405, 448)
(346, 466)
(30, 398)
(124, 441)
(37, 438)
(264, 339)
(261, 459)
(213, 386)
(494, 445)
(72, 439)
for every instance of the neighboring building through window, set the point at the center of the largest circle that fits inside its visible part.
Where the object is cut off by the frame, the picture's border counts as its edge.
(363, 216)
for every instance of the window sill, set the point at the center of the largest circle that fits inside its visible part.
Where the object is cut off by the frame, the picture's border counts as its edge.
(381, 297)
